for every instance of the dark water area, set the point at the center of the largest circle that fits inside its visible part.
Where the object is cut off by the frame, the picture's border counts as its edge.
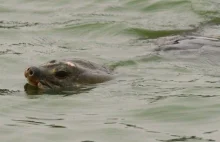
(166, 59)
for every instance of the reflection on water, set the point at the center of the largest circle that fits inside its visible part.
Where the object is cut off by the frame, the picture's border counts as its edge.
(32, 90)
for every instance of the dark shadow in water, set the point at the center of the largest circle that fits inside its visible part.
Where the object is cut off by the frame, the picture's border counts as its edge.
(183, 139)
(31, 122)
(159, 98)
(36, 118)
(177, 138)
(8, 51)
(55, 126)
(138, 127)
(210, 132)
(33, 92)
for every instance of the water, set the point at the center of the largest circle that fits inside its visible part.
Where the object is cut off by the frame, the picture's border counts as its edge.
(164, 96)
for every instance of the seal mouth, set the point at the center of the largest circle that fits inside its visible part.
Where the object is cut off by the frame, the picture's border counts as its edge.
(42, 84)
(33, 82)
(39, 84)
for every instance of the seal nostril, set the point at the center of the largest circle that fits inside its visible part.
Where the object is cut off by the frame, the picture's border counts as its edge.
(31, 73)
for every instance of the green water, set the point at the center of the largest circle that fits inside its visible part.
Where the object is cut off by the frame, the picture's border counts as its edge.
(156, 97)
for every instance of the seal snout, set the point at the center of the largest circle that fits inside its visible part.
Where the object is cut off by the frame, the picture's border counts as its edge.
(33, 75)
(32, 72)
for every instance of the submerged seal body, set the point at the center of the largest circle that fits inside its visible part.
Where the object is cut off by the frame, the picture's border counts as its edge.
(187, 43)
(62, 74)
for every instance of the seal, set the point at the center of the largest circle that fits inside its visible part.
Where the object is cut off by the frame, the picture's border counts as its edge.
(61, 74)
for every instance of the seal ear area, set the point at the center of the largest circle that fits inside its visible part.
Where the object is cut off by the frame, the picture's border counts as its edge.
(52, 61)
(50, 64)
(70, 64)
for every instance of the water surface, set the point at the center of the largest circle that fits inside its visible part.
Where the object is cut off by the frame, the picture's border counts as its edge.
(165, 96)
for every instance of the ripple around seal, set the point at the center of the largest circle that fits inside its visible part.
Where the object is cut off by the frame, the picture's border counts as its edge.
(162, 5)
(44, 118)
(7, 91)
(15, 24)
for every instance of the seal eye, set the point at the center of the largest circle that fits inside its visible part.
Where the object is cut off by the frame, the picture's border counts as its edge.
(61, 74)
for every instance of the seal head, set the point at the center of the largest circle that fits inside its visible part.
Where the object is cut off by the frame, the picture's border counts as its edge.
(66, 74)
